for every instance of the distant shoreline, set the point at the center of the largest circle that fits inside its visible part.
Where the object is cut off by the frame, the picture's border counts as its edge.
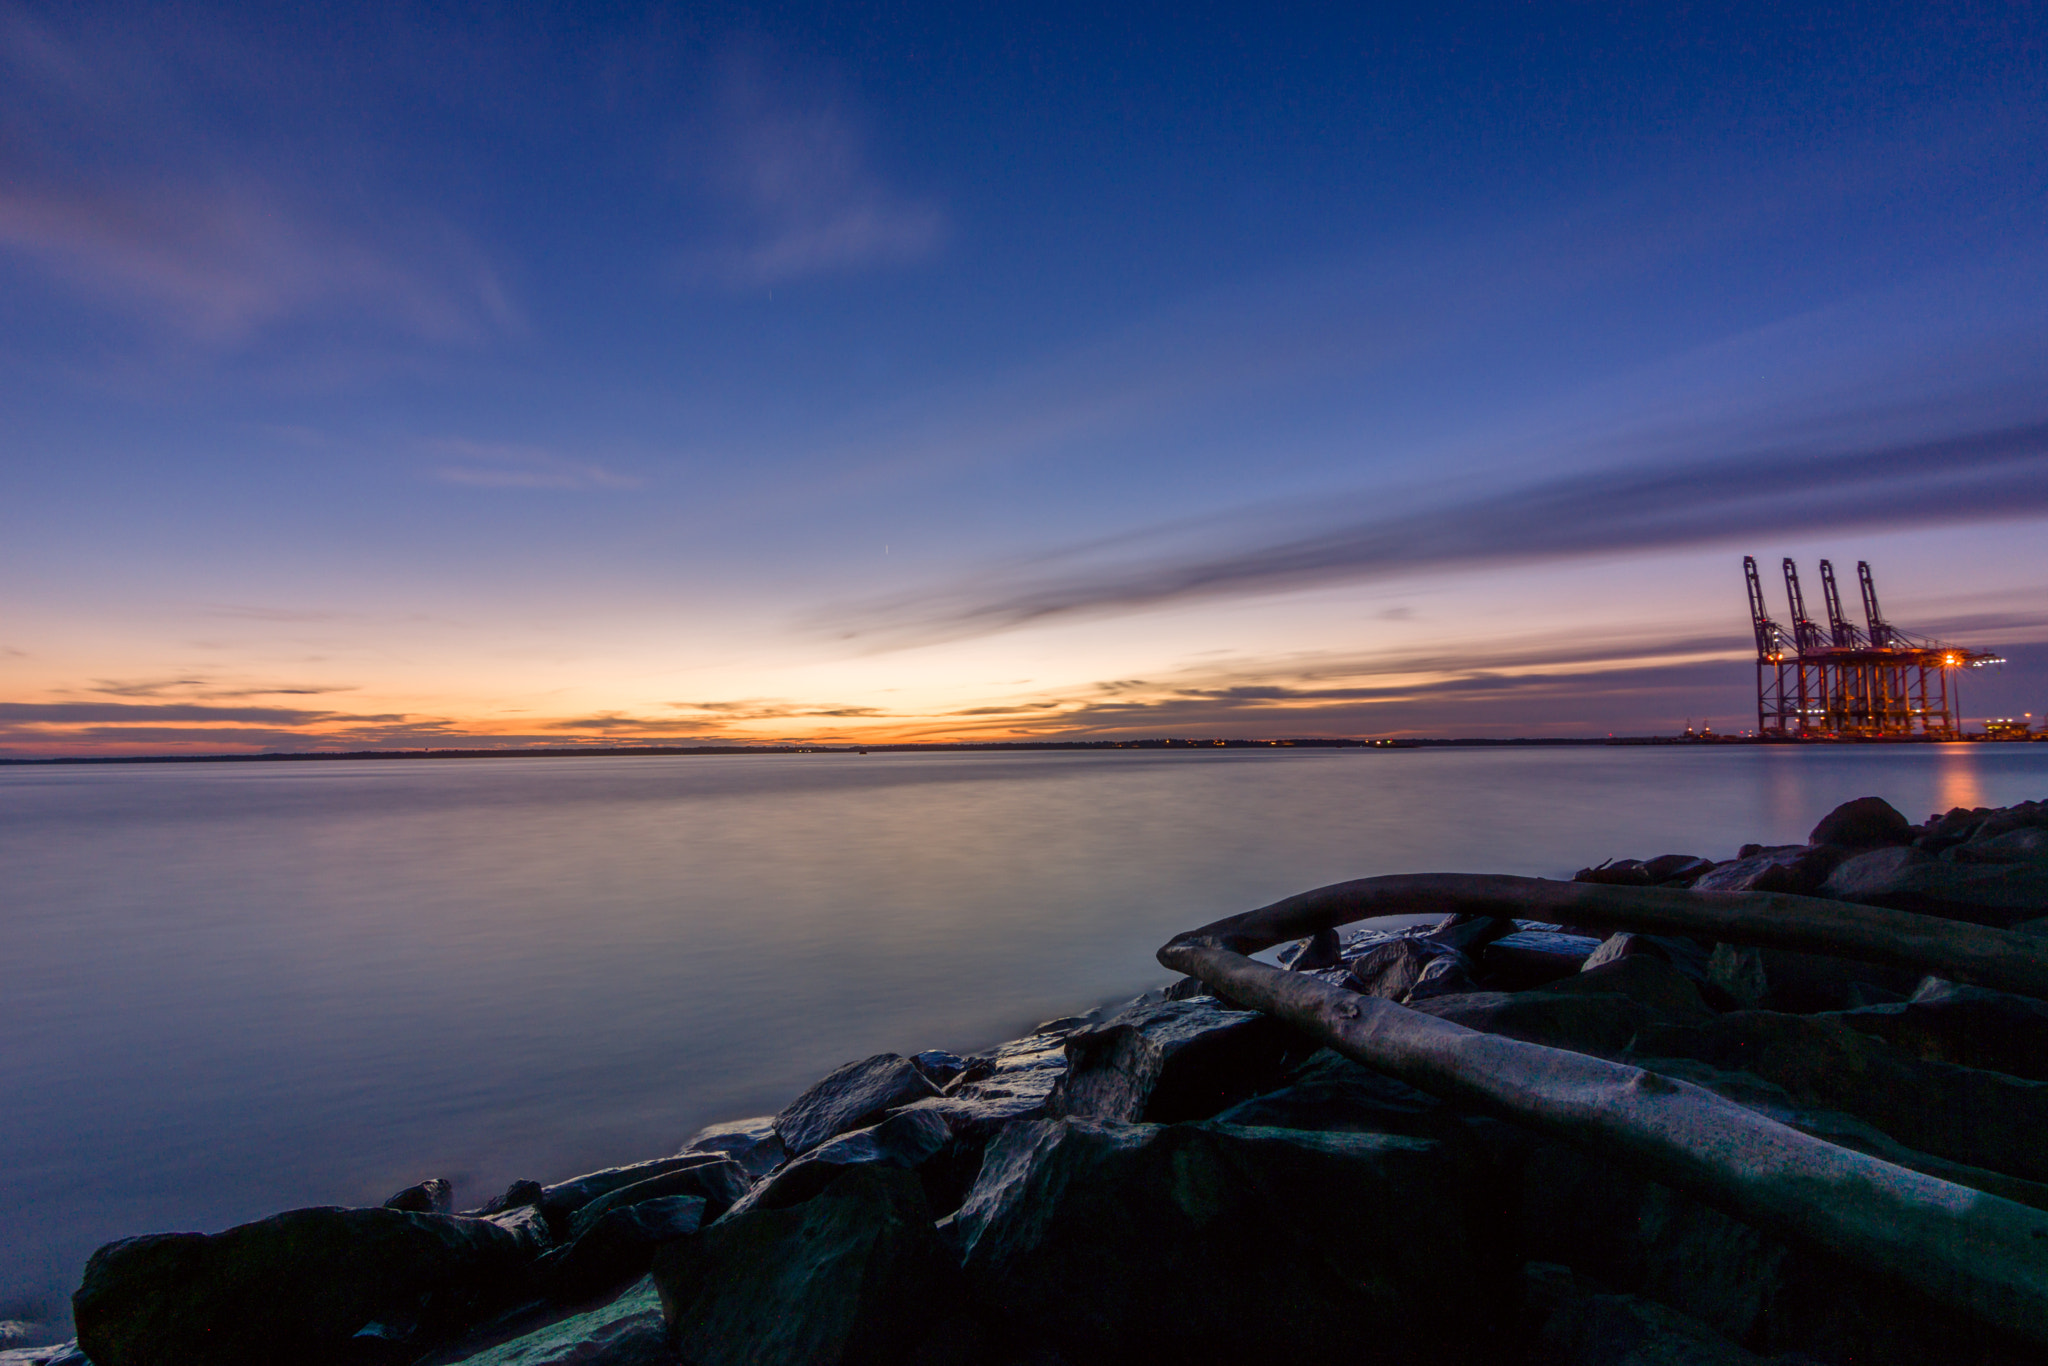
(610, 751)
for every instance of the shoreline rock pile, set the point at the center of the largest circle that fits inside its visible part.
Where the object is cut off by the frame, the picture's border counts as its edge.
(1182, 1180)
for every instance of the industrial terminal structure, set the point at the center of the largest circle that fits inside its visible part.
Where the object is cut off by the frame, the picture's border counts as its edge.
(1846, 682)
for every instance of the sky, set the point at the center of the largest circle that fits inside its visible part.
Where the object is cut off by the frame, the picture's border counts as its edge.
(391, 376)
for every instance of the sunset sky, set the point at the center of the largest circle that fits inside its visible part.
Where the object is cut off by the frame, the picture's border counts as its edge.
(386, 376)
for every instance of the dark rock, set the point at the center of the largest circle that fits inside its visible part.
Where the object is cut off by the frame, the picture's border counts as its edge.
(527, 1225)
(907, 1140)
(2029, 844)
(1642, 1238)
(561, 1201)
(56, 1354)
(1626, 872)
(1966, 1115)
(1591, 1329)
(938, 1066)
(518, 1194)
(1780, 979)
(1909, 879)
(617, 1247)
(1468, 934)
(853, 1097)
(1648, 980)
(753, 1143)
(850, 1276)
(1788, 868)
(312, 1286)
(1172, 1061)
(1329, 1092)
(1866, 823)
(719, 1183)
(1529, 958)
(1677, 870)
(1139, 1244)
(628, 1331)
(1600, 1023)
(1964, 1025)
(1016, 1082)
(1322, 949)
(1410, 968)
(432, 1196)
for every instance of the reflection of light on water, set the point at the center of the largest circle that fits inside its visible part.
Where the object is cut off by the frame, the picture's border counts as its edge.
(1956, 778)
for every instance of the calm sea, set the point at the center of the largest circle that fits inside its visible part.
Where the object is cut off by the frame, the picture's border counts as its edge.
(231, 989)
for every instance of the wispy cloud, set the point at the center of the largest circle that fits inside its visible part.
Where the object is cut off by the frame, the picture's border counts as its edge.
(206, 688)
(1816, 481)
(792, 171)
(114, 183)
(482, 464)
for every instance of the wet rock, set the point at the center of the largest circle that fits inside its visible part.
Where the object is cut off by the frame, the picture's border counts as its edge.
(1328, 1092)
(1323, 949)
(1966, 1115)
(58, 1354)
(938, 1066)
(432, 1196)
(753, 1143)
(1910, 879)
(1172, 1061)
(1015, 1082)
(1866, 823)
(1095, 1241)
(719, 1182)
(854, 1275)
(1684, 954)
(1792, 868)
(312, 1286)
(628, 1331)
(527, 1225)
(563, 1199)
(617, 1247)
(1964, 1025)
(853, 1097)
(907, 1140)
(1410, 968)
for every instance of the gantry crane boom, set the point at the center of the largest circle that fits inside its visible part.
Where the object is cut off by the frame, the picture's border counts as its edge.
(1767, 631)
(1840, 629)
(1805, 632)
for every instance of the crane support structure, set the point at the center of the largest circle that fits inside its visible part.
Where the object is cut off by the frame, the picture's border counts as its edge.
(1845, 684)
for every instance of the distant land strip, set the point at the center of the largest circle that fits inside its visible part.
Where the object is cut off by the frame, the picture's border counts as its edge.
(994, 746)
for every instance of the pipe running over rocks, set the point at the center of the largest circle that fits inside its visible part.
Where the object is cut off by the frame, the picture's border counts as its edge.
(1978, 1253)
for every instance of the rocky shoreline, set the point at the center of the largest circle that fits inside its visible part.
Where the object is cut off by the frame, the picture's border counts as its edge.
(1182, 1179)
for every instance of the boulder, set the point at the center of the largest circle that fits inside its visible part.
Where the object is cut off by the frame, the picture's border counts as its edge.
(1329, 1092)
(311, 1286)
(628, 1331)
(907, 1140)
(1910, 879)
(2028, 844)
(854, 1275)
(1962, 1114)
(432, 1196)
(1015, 1082)
(853, 1097)
(1597, 1023)
(938, 1066)
(516, 1196)
(1628, 872)
(1965, 1025)
(1529, 958)
(1787, 868)
(1649, 980)
(719, 1183)
(617, 1247)
(561, 1201)
(1677, 870)
(1171, 1061)
(1866, 823)
(1781, 979)
(753, 1143)
(1410, 967)
(1582, 1328)
(1206, 1242)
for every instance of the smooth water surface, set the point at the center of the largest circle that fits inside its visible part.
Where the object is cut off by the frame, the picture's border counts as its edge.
(236, 988)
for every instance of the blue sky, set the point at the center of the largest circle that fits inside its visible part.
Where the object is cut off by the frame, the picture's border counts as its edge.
(386, 376)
